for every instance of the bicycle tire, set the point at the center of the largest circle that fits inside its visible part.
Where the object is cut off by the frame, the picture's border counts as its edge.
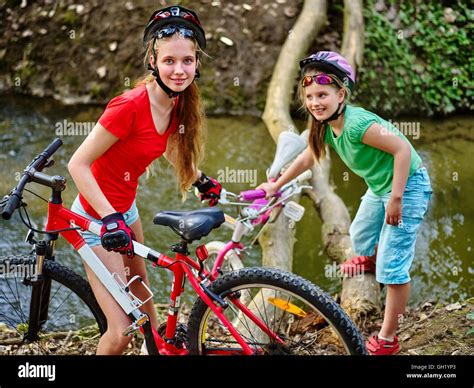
(73, 291)
(290, 283)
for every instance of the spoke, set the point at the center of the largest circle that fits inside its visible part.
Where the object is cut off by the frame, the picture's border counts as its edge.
(294, 319)
(284, 314)
(8, 321)
(246, 325)
(253, 300)
(266, 317)
(19, 303)
(227, 330)
(18, 310)
(52, 297)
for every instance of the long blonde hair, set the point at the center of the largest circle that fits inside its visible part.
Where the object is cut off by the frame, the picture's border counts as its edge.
(318, 129)
(187, 142)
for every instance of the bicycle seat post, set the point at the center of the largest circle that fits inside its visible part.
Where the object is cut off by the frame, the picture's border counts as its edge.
(181, 247)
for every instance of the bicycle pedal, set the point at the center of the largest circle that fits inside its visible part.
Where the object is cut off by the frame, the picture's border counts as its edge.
(135, 325)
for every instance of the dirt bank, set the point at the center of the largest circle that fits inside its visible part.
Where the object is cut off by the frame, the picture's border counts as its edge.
(82, 53)
(426, 330)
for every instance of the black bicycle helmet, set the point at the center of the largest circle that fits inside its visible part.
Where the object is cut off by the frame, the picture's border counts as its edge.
(177, 16)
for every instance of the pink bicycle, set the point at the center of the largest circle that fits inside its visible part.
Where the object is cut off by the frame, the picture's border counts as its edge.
(254, 214)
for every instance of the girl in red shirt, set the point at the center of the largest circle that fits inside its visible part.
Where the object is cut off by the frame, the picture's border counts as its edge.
(153, 119)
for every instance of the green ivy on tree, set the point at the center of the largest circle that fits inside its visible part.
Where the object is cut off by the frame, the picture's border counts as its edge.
(420, 61)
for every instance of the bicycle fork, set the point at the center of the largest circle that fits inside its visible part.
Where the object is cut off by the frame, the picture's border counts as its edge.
(40, 293)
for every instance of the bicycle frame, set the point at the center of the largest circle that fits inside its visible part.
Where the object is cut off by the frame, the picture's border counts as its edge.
(65, 222)
(182, 267)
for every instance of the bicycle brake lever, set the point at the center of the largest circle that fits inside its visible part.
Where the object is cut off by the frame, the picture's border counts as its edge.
(30, 237)
(49, 163)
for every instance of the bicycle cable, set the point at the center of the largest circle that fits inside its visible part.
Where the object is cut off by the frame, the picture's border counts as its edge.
(39, 196)
(29, 226)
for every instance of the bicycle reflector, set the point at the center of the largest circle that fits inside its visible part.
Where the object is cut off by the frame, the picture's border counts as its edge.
(287, 306)
(293, 211)
(202, 253)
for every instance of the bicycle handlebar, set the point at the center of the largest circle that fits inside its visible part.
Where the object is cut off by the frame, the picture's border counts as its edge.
(37, 164)
(251, 195)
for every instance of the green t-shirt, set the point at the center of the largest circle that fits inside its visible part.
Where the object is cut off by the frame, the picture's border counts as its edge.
(373, 165)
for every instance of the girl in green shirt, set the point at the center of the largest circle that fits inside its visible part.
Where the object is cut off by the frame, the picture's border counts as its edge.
(384, 230)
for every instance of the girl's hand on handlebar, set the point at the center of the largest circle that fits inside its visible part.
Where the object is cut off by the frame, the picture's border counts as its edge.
(270, 188)
(209, 189)
(116, 235)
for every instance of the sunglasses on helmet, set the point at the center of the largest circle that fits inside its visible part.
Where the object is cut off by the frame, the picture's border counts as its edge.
(171, 30)
(320, 79)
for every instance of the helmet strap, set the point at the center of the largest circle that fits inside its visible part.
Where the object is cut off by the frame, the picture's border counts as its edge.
(336, 114)
(171, 93)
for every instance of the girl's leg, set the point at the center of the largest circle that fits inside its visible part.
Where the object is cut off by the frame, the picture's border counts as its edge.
(112, 341)
(136, 266)
(396, 301)
(396, 251)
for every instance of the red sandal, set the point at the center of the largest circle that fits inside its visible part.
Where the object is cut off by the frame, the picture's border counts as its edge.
(357, 265)
(380, 347)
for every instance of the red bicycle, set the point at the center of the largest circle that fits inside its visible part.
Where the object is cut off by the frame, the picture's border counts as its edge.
(253, 311)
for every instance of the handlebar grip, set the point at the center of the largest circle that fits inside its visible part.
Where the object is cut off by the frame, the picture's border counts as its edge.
(251, 195)
(52, 147)
(10, 207)
(40, 161)
(304, 176)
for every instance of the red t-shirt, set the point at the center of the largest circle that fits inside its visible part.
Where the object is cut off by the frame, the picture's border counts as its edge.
(128, 117)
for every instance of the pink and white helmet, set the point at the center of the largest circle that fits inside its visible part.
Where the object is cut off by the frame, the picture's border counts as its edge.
(333, 63)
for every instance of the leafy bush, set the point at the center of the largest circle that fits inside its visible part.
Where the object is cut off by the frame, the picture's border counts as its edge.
(420, 61)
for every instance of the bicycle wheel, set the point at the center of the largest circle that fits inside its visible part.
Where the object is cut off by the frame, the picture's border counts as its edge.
(72, 306)
(306, 320)
(232, 261)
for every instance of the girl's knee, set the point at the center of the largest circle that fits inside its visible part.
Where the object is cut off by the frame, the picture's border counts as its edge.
(117, 339)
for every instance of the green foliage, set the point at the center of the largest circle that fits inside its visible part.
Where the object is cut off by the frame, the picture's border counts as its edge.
(70, 18)
(95, 90)
(420, 62)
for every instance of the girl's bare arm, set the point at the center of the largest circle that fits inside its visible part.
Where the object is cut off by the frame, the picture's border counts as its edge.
(95, 145)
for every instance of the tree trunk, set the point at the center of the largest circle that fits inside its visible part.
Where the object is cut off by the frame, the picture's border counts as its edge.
(278, 239)
(280, 91)
(353, 39)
